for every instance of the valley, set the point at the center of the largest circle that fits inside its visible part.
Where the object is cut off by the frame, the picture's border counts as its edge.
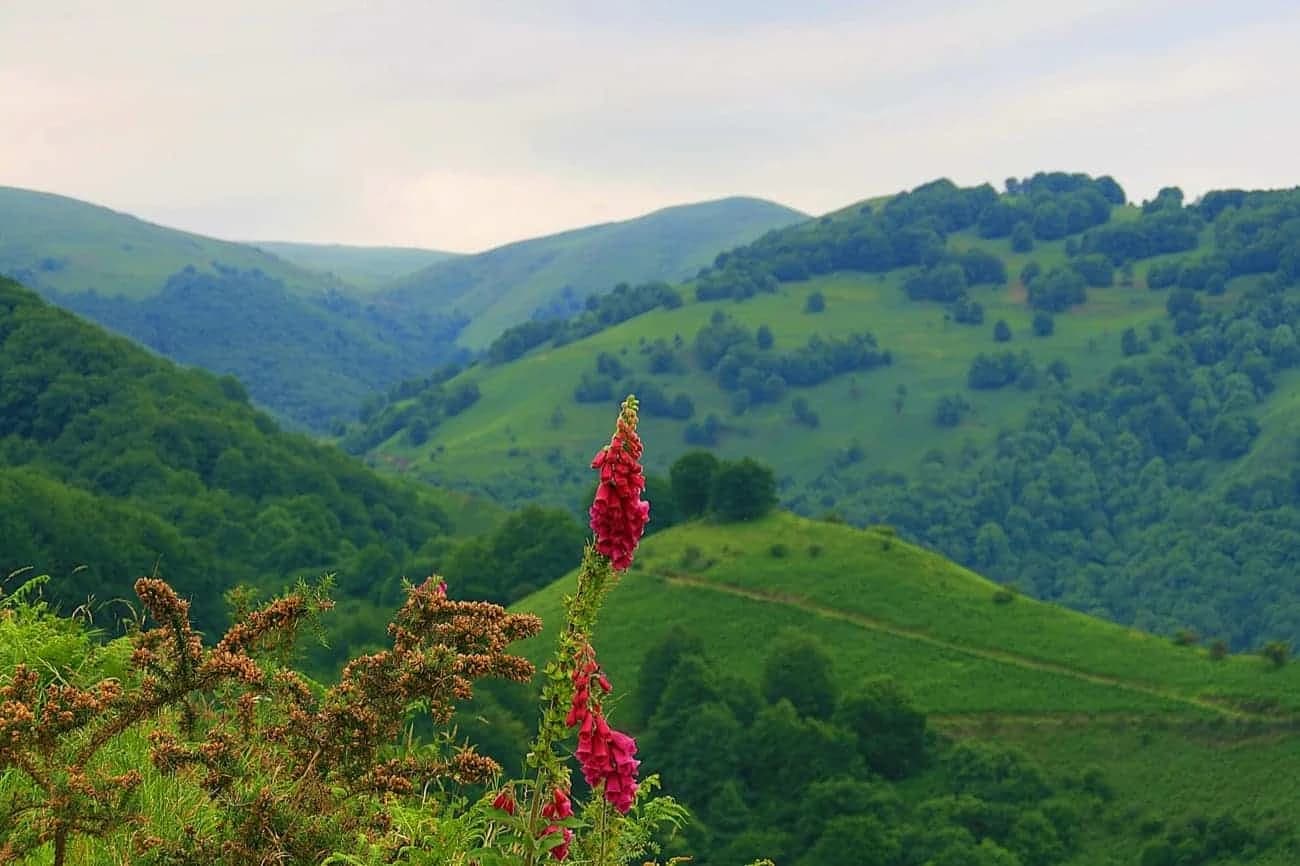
(975, 614)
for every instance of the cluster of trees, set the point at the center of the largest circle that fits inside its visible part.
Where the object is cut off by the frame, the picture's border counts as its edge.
(311, 359)
(1091, 500)
(948, 279)
(608, 381)
(1204, 840)
(1049, 206)
(113, 460)
(798, 770)
(911, 230)
(600, 311)
(998, 370)
(950, 410)
(1156, 233)
(416, 406)
(1056, 290)
(531, 548)
(746, 364)
(726, 490)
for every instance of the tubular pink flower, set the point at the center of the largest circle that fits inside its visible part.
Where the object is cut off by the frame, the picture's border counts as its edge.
(604, 754)
(558, 808)
(619, 514)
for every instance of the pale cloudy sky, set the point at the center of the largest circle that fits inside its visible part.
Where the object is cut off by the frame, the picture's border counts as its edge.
(465, 125)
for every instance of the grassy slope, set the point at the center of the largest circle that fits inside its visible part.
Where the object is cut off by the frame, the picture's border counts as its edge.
(1072, 690)
(931, 360)
(52, 242)
(365, 268)
(503, 286)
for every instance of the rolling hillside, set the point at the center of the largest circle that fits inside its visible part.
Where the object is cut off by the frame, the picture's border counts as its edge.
(554, 274)
(114, 462)
(1130, 421)
(299, 340)
(56, 244)
(364, 268)
(309, 333)
(1175, 732)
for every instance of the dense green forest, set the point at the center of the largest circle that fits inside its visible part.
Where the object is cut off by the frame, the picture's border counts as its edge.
(1121, 497)
(311, 359)
(1086, 398)
(114, 463)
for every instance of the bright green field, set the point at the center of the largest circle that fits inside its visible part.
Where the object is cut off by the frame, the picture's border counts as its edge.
(72, 246)
(1073, 691)
(513, 442)
(885, 606)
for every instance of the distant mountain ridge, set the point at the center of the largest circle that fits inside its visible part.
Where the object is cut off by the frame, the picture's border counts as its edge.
(509, 284)
(312, 338)
(365, 267)
(52, 242)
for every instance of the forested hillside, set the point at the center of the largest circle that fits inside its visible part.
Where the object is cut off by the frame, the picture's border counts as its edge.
(301, 341)
(115, 463)
(903, 710)
(1088, 398)
(308, 343)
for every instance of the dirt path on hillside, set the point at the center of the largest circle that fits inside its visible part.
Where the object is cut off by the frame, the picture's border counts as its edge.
(986, 654)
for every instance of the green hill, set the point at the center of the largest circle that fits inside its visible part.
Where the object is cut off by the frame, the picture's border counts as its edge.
(554, 274)
(1174, 732)
(365, 268)
(302, 341)
(53, 243)
(114, 462)
(1126, 451)
(309, 332)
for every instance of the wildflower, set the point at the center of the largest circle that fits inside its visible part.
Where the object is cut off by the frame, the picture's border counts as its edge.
(557, 809)
(608, 756)
(605, 755)
(505, 801)
(618, 514)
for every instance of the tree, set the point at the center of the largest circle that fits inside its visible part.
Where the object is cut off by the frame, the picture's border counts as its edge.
(658, 490)
(742, 490)
(803, 413)
(854, 840)
(691, 478)
(657, 666)
(1044, 324)
(815, 303)
(1130, 344)
(900, 397)
(1276, 652)
(950, 409)
(1002, 331)
(764, 338)
(1022, 238)
(798, 669)
(889, 727)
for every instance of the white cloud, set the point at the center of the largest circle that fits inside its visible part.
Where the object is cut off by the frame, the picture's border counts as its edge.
(463, 125)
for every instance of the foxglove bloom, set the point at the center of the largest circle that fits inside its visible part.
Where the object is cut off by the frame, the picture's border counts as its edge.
(505, 801)
(619, 514)
(604, 754)
(557, 809)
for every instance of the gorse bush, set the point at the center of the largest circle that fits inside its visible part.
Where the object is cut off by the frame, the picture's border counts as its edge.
(184, 753)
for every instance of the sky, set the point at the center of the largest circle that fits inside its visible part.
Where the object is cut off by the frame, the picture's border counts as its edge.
(462, 126)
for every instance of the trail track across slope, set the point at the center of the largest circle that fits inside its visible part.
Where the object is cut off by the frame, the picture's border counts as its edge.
(986, 653)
